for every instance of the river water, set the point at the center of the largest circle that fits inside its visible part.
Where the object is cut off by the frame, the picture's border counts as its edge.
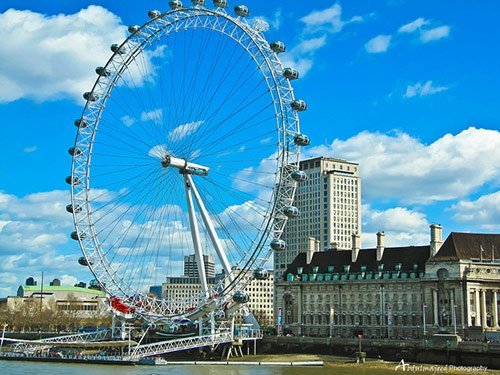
(41, 368)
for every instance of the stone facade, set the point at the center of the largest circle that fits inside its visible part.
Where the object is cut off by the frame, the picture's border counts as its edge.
(395, 292)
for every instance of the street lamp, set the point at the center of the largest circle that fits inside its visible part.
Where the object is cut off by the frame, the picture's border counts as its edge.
(424, 307)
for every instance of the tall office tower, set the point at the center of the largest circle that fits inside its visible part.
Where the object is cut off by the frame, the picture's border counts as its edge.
(330, 210)
(191, 267)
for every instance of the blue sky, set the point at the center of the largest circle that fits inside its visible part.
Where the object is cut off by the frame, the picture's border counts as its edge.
(408, 89)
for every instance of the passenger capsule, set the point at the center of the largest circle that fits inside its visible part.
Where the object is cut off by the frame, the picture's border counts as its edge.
(74, 181)
(299, 176)
(291, 211)
(241, 10)
(298, 105)
(102, 72)
(198, 2)
(154, 14)
(74, 236)
(220, 3)
(261, 274)
(90, 96)
(277, 244)
(133, 29)
(277, 47)
(302, 140)
(290, 73)
(116, 49)
(240, 297)
(175, 4)
(81, 123)
(84, 262)
(74, 151)
(72, 210)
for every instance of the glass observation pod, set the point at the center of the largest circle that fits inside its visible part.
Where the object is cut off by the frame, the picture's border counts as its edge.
(74, 236)
(291, 211)
(84, 262)
(198, 2)
(154, 14)
(80, 123)
(278, 244)
(133, 29)
(74, 151)
(242, 11)
(74, 181)
(175, 4)
(290, 73)
(299, 176)
(90, 96)
(277, 46)
(240, 297)
(70, 208)
(220, 3)
(116, 49)
(302, 140)
(261, 274)
(102, 72)
(298, 105)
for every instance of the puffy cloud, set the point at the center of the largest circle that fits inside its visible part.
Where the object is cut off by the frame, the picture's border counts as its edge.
(30, 150)
(401, 167)
(184, 130)
(435, 34)
(322, 22)
(414, 25)
(401, 226)
(424, 28)
(423, 89)
(483, 212)
(379, 44)
(65, 48)
(329, 18)
(301, 57)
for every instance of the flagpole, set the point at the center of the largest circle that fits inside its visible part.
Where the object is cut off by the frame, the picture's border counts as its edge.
(481, 253)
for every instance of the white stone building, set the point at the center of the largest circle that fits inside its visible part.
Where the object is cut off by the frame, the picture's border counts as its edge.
(395, 292)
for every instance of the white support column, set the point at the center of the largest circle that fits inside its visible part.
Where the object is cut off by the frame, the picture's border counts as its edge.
(483, 308)
(478, 309)
(494, 305)
(195, 233)
(435, 306)
(467, 307)
(211, 230)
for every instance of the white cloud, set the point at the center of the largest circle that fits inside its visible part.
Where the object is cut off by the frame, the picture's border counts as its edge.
(401, 226)
(379, 44)
(155, 116)
(414, 25)
(68, 280)
(30, 150)
(435, 34)
(327, 19)
(423, 89)
(401, 167)
(425, 30)
(484, 211)
(301, 57)
(184, 130)
(323, 22)
(65, 48)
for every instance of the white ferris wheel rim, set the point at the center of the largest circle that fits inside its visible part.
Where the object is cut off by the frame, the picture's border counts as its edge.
(287, 124)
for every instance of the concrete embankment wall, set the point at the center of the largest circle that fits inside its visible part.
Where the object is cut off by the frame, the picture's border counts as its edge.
(428, 351)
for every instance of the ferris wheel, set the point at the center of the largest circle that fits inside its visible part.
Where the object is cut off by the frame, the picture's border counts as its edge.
(188, 144)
